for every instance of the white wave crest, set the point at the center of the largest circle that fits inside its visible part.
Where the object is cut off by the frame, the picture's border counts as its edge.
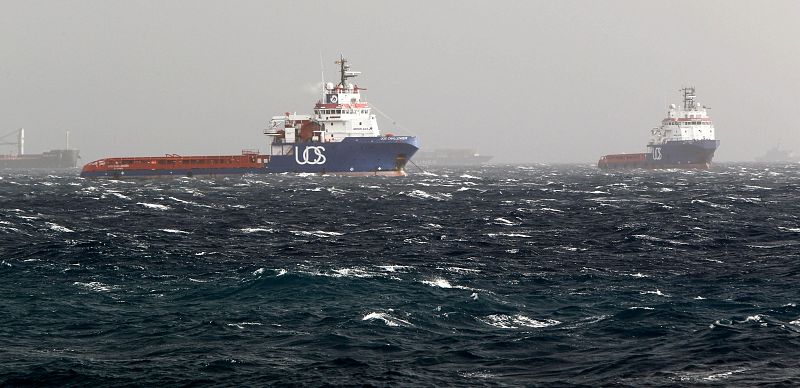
(241, 325)
(393, 268)
(387, 319)
(467, 176)
(256, 230)
(723, 375)
(95, 286)
(352, 272)
(155, 206)
(443, 283)
(176, 231)
(424, 195)
(656, 239)
(753, 318)
(58, 228)
(477, 375)
(656, 292)
(549, 209)
(509, 235)
(460, 270)
(744, 199)
(711, 204)
(120, 196)
(316, 233)
(503, 221)
(438, 282)
(504, 321)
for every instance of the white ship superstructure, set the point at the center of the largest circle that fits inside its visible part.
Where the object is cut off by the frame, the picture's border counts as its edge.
(338, 115)
(691, 122)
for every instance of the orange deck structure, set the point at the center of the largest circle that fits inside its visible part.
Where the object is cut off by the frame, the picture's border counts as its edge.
(179, 165)
(622, 160)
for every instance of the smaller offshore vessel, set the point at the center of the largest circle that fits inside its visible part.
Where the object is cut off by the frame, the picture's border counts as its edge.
(449, 157)
(685, 139)
(778, 155)
(340, 138)
(53, 159)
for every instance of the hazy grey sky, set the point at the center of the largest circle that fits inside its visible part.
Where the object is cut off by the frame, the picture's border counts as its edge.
(526, 81)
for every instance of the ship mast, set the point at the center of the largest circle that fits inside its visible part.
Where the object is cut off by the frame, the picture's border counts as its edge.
(688, 98)
(344, 71)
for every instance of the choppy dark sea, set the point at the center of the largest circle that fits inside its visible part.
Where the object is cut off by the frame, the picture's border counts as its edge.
(498, 276)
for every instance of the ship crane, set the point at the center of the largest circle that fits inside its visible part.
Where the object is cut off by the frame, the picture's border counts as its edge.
(20, 143)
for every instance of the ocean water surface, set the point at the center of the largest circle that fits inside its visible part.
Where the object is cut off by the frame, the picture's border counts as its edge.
(494, 276)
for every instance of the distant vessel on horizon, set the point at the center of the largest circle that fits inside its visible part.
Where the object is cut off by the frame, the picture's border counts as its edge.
(18, 159)
(685, 139)
(451, 157)
(778, 155)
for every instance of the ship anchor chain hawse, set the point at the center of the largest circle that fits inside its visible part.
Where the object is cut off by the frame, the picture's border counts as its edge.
(341, 137)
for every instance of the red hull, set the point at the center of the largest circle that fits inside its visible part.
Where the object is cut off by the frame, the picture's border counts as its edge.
(620, 161)
(177, 162)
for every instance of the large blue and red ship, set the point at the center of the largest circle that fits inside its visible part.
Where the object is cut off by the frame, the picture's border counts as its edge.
(685, 139)
(341, 137)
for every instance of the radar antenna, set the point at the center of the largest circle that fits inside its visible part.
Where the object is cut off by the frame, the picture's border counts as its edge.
(344, 71)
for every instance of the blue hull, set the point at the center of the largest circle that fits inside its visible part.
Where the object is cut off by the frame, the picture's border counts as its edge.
(690, 153)
(351, 156)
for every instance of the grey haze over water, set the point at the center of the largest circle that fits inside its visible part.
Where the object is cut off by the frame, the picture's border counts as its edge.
(526, 81)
